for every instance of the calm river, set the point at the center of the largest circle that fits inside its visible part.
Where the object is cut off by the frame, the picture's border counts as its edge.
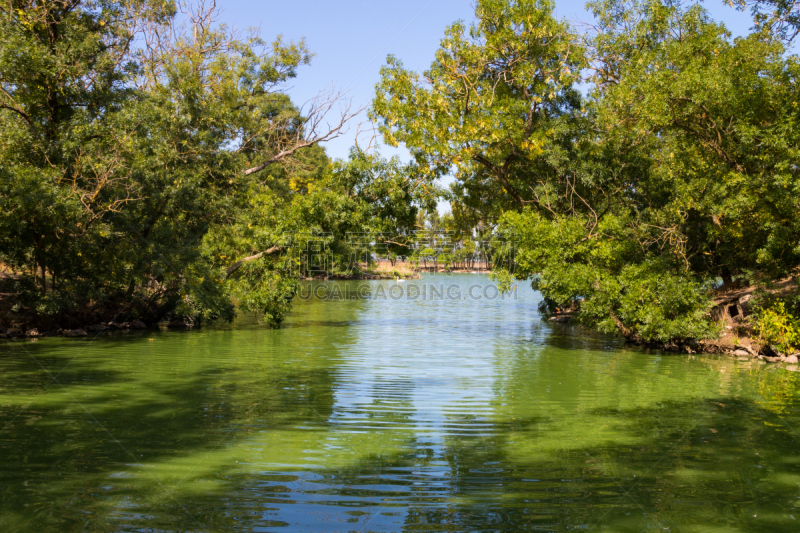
(372, 410)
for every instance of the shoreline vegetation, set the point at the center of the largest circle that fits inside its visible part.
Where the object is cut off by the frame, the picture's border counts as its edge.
(736, 313)
(640, 173)
(732, 310)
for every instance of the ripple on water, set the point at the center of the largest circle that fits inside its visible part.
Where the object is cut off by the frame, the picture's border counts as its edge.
(384, 415)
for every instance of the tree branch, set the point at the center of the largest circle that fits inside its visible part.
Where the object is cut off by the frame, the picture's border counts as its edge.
(314, 130)
(234, 267)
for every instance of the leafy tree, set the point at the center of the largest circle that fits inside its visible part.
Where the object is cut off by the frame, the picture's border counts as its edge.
(678, 169)
(168, 178)
(65, 146)
(495, 106)
(717, 118)
(702, 124)
(779, 18)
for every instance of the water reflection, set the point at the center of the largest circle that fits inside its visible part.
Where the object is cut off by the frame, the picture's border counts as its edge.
(376, 415)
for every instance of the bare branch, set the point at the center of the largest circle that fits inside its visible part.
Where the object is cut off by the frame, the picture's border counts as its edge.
(315, 129)
(372, 139)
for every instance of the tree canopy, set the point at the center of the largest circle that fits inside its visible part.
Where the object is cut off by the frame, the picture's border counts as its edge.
(674, 172)
(152, 164)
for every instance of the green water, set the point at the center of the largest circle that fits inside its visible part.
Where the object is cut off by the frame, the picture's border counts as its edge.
(379, 414)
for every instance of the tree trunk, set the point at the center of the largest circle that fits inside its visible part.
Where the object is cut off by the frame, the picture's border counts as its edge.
(626, 332)
(727, 278)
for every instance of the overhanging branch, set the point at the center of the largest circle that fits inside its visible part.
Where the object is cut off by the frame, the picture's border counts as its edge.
(234, 267)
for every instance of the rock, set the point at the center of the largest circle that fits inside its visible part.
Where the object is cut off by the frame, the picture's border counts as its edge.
(33, 332)
(768, 351)
(792, 359)
(741, 353)
(178, 324)
(772, 359)
(745, 305)
(97, 328)
(13, 332)
(74, 333)
(559, 318)
(138, 324)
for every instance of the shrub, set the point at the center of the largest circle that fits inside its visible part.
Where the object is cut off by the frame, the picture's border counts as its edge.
(777, 327)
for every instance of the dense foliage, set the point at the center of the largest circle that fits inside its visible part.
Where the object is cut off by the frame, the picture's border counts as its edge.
(675, 173)
(151, 167)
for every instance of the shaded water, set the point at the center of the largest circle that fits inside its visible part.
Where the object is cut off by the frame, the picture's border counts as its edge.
(382, 414)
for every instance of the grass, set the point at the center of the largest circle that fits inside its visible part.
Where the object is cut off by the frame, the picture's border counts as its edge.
(399, 270)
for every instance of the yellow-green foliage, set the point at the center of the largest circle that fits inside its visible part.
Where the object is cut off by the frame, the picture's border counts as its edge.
(777, 327)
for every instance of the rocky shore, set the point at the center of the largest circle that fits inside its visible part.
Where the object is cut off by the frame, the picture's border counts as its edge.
(734, 311)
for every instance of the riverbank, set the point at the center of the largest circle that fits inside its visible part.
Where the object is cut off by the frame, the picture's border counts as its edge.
(733, 311)
(380, 270)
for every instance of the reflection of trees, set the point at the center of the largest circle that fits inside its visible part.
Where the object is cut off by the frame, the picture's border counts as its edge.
(88, 460)
(676, 465)
(572, 337)
(125, 439)
(622, 444)
(676, 474)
